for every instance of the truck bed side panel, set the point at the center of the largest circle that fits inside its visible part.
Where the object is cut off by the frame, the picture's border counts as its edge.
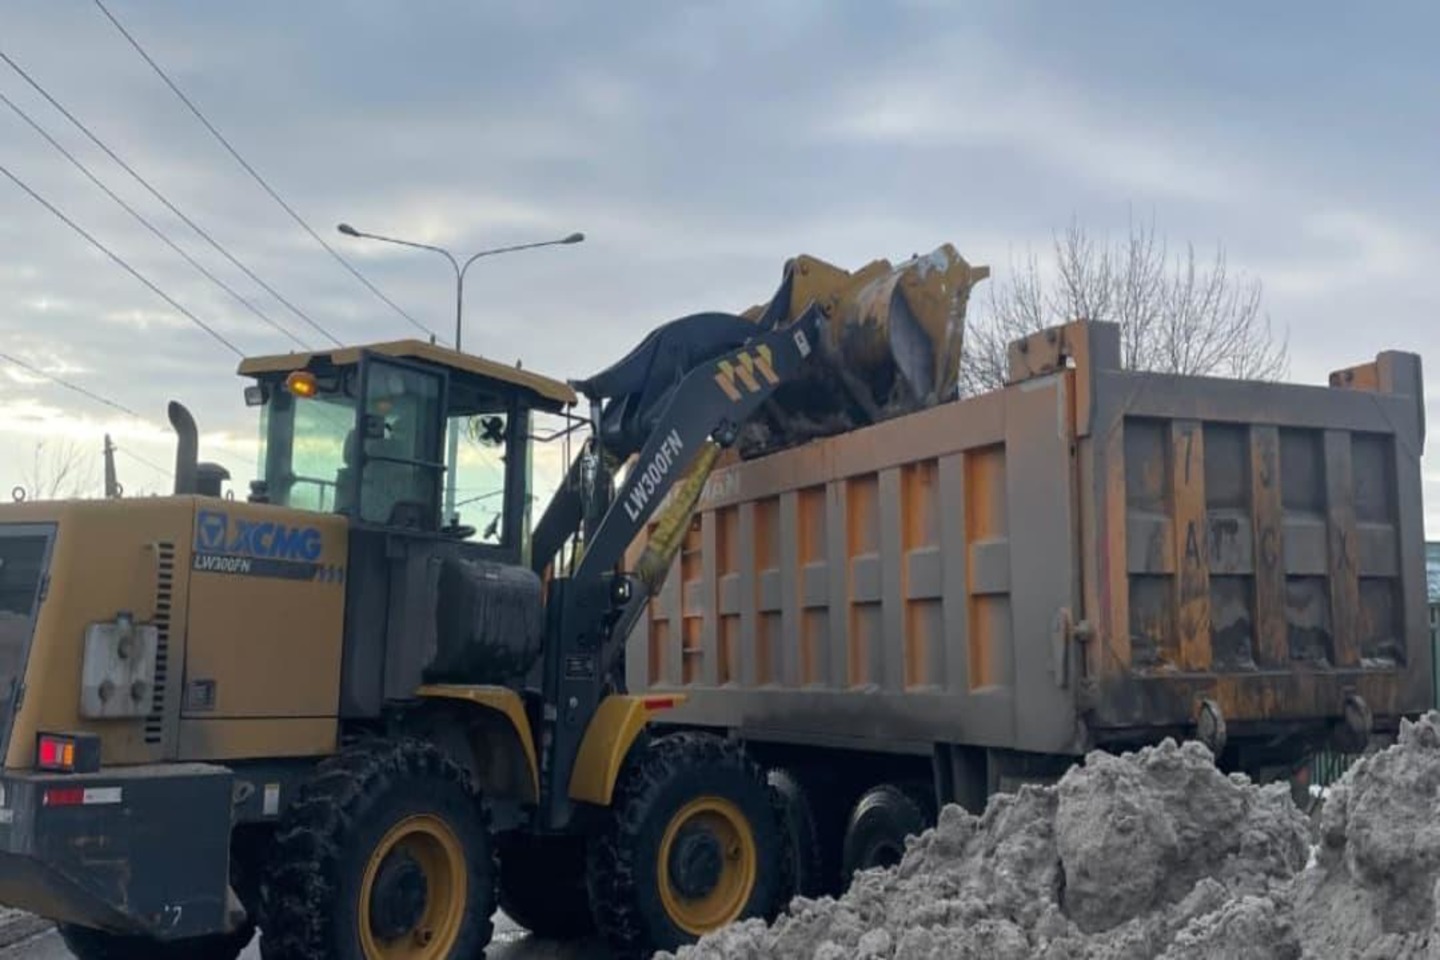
(895, 585)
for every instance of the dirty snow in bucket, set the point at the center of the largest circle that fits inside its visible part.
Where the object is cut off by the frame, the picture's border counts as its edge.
(1154, 854)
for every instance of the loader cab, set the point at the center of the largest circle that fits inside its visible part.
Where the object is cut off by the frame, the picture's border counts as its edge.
(377, 433)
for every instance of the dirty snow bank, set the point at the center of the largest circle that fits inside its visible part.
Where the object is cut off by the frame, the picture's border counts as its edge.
(1154, 854)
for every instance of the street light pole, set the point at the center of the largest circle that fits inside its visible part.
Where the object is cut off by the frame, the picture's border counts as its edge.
(453, 444)
(460, 270)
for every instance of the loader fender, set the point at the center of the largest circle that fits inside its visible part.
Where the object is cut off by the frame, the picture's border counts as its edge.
(607, 741)
(506, 741)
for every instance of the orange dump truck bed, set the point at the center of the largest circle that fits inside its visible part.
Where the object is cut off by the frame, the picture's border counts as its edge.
(1088, 556)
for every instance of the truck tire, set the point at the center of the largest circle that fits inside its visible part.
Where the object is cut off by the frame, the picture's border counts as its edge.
(542, 885)
(87, 943)
(875, 836)
(805, 873)
(385, 845)
(691, 843)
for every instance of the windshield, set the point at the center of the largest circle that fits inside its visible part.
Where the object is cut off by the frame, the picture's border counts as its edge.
(302, 448)
(311, 456)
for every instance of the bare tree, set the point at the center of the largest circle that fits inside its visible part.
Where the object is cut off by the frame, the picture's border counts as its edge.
(1175, 315)
(59, 470)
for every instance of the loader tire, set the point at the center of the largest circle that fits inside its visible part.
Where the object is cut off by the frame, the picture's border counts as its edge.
(385, 852)
(875, 836)
(542, 885)
(90, 944)
(692, 842)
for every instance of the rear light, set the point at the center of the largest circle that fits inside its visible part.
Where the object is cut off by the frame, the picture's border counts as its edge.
(65, 797)
(55, 753)
(67, 752)
(82, 796)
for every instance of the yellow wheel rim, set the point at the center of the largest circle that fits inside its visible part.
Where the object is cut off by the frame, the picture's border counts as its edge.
(427, 847)
(707, 865)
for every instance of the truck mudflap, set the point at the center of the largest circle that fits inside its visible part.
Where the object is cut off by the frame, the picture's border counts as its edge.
(135, 850)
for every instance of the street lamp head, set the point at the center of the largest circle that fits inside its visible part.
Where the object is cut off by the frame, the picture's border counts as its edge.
(574, 238)
(348, 230)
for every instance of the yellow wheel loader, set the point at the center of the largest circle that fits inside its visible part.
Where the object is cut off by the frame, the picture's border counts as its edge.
(370, 703)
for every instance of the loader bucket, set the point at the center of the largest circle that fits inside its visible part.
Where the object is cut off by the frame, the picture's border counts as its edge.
(891, 344)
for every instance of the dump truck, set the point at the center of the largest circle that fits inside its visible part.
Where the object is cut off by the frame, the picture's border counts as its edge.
(337, 713)
(940, 606)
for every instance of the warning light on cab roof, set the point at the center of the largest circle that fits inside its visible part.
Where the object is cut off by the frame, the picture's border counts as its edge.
(301, 383)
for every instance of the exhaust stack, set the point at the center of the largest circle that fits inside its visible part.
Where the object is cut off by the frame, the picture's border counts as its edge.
(187, 449)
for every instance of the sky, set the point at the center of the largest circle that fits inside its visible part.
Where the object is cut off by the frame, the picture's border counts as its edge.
(697, 146)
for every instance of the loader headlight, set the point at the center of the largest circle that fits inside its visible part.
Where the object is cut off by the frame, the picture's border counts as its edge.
(621, 591)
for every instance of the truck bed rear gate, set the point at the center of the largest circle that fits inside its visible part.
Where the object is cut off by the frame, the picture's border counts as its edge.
(1261, 547)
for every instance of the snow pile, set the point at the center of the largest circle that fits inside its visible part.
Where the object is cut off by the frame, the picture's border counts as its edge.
(1376, 888)
(1154, 854)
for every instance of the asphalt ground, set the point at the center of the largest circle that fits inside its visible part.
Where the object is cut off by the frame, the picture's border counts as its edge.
(35, 941)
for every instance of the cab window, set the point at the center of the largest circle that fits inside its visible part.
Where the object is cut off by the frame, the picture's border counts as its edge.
(302, 445)
(399, 433)
(482, 472)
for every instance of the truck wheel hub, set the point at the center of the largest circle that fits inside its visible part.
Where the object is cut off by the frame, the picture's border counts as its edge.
(397, 901)
(696, 861)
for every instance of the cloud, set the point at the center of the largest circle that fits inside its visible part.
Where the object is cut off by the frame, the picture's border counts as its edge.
(696, 146)
(1356, 249)
(999, 100)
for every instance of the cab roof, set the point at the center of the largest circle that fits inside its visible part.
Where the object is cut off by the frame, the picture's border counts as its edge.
(547, 388)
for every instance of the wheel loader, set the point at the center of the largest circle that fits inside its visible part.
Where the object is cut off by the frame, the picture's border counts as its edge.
(340, 714)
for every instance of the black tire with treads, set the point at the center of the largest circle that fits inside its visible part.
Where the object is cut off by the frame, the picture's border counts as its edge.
(881, 820)
(805, 866)
(88, 944)
(542, 885)
(310, 889)
(659, 778)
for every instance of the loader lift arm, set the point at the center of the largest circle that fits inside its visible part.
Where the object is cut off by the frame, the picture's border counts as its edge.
(589, 612)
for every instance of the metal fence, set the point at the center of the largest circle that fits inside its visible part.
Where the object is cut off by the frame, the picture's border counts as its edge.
(1326, 767)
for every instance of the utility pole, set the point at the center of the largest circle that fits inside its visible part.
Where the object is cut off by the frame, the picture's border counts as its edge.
(112, 485)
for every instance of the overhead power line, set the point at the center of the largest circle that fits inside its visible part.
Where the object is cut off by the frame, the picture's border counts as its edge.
(147, 224)
(129, 269)
(167, 471)
(31, 368)
(251, 170)
(35, 85)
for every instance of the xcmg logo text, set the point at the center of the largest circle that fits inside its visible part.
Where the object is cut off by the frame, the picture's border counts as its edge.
(217, 532)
